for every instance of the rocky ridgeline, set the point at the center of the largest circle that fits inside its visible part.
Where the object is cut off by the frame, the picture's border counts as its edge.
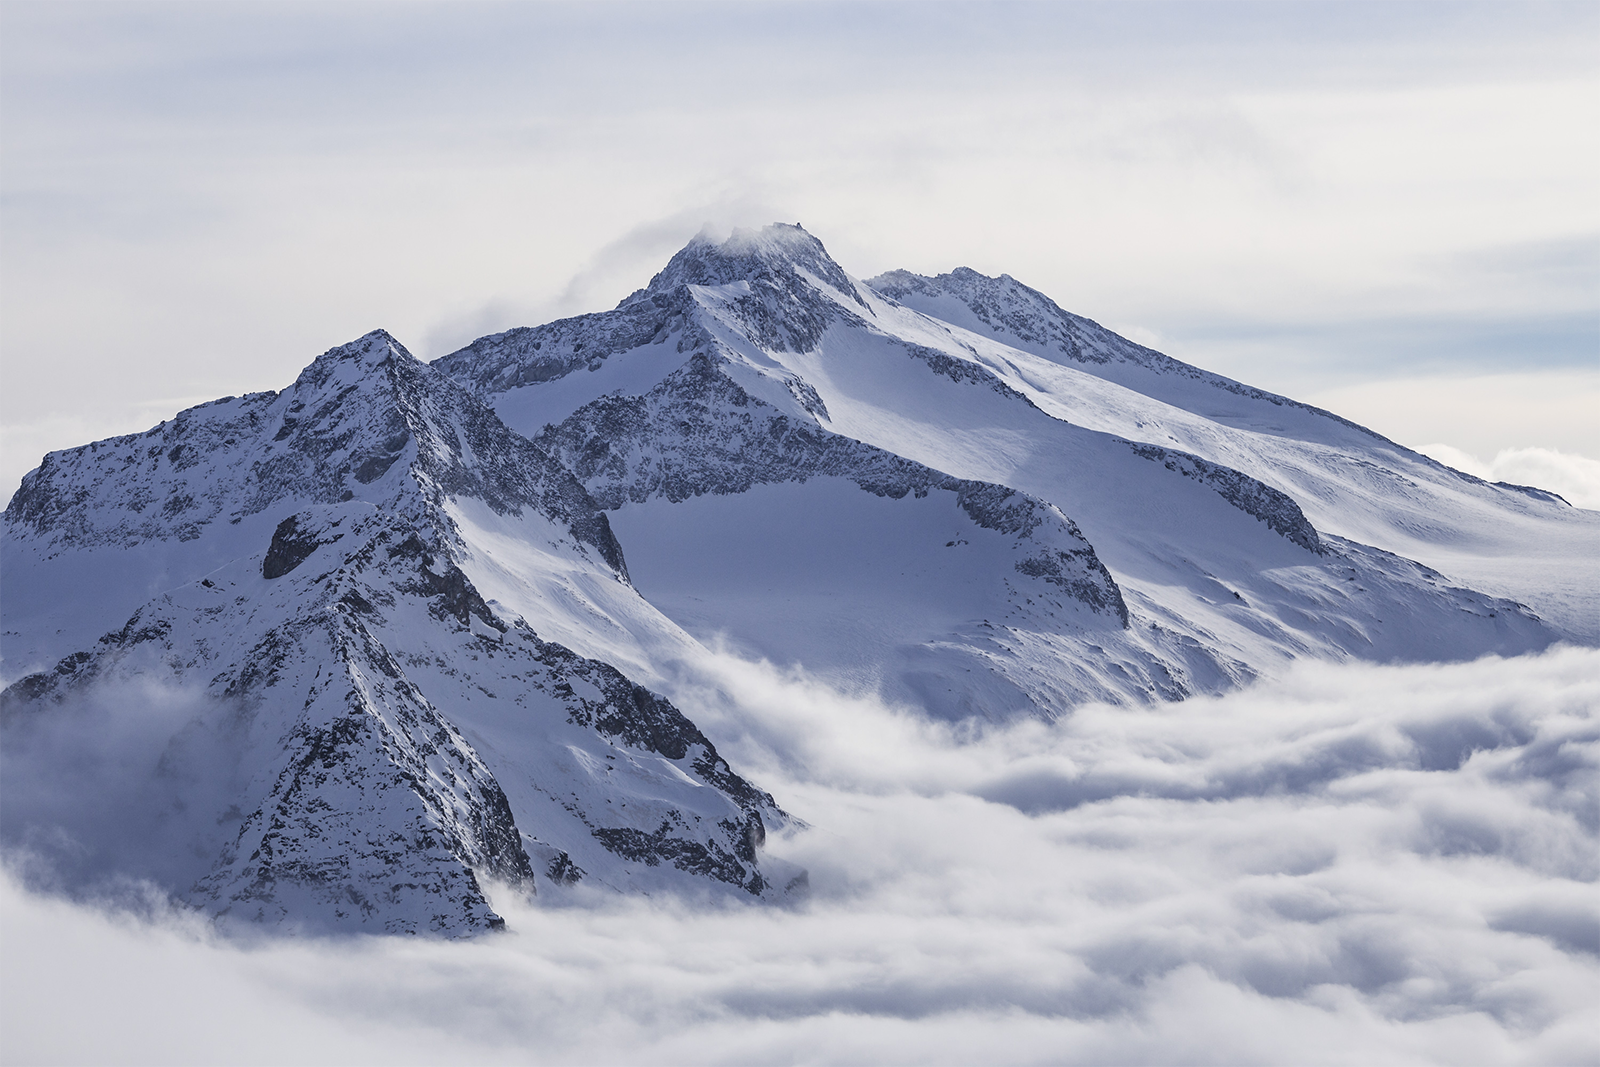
(339, 658)
(365, 421)
(779, 305)
(699, 432)
(1020, 315)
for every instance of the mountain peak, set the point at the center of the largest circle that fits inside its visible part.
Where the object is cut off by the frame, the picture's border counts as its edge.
(372, 346)
(746, 255)
(366, 353)
(364, 421)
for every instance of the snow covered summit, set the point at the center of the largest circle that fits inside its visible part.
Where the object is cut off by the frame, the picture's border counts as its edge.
(405, 636)
(756, 379)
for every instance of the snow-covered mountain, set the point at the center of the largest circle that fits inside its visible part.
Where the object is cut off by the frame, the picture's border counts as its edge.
(372, 738)
(425, 624)
(788, 452)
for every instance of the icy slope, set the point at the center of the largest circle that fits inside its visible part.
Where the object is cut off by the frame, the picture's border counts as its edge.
(371, 738)
(759, 362)
(1513, 540)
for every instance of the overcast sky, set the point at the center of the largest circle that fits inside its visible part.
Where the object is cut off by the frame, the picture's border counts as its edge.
(1392, 209)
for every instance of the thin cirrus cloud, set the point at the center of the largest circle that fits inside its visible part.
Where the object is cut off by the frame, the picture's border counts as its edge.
(1350, 863)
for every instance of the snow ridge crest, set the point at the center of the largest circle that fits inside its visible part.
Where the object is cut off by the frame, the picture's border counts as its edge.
(748, 255)
(365, 421)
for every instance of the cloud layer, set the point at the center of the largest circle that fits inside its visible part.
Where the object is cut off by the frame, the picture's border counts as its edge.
(1352, 863)
(1577, 478)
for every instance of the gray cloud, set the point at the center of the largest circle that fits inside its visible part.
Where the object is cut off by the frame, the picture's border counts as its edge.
(1347, 864)
(118, 790)
(1563, 913)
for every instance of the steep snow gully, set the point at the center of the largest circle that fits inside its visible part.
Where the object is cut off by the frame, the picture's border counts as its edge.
(404, 632)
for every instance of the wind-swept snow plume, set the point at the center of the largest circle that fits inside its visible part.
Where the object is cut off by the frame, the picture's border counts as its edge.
(1347, 864)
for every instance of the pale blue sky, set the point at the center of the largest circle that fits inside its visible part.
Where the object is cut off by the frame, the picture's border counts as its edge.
(1326, 200)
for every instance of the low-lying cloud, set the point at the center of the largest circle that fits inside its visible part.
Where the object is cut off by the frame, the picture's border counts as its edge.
(1348, 864)
(117, 790)
(1575, 477)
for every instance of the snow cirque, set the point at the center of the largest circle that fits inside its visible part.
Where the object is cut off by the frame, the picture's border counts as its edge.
(405, 636)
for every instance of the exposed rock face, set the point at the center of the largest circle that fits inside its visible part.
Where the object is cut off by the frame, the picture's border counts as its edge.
(760, 266)
(339, 433)
(699, 432)
(344, 660)
(528, 355)
(291, 546)
(1278, 510)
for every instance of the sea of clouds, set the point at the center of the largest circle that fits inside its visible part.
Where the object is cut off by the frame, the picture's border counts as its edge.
(1346, 864)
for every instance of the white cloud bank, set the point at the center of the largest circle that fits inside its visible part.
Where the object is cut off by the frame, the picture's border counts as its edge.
(1577, 478)
(1350, 864)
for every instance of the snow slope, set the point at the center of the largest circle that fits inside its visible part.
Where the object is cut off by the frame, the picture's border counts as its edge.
(1512, 540)
(760, 363)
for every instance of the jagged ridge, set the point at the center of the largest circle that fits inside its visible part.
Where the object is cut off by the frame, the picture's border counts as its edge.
(341, 655)
(337, 434)
(699, 432)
